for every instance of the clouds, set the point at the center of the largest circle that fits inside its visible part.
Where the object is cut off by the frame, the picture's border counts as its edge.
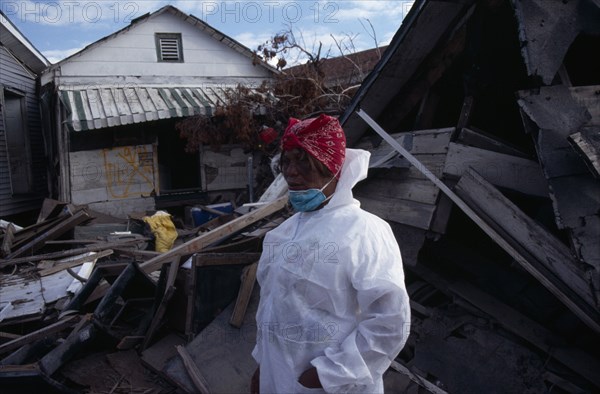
(374, 9)
(56, 55)
(57, 27)
(74, 13)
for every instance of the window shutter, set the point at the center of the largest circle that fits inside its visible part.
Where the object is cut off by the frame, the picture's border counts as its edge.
(169, 49)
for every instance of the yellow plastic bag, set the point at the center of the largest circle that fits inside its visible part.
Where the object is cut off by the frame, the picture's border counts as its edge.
(163, 229)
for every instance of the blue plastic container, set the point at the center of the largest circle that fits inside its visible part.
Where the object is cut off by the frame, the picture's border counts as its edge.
(200, 216)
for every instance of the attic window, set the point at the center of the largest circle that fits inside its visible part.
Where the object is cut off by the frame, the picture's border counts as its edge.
(169, 48)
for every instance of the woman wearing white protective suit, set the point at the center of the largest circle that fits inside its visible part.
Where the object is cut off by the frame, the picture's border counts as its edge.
(333, 309)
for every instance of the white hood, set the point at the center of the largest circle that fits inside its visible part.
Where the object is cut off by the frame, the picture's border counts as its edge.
(354, 170)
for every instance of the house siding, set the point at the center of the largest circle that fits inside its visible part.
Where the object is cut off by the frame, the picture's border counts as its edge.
(133, 53)
(15, 77)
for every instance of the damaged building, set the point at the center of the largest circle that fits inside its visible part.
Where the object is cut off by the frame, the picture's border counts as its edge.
(482, 119)
(23, 176)
(114, 105)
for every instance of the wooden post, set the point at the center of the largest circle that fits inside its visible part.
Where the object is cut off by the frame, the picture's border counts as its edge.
(241, 304)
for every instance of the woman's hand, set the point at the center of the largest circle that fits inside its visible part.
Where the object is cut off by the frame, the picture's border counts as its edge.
(310, 379)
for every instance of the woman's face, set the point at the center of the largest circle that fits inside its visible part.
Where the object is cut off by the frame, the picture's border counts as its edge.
(300, 173)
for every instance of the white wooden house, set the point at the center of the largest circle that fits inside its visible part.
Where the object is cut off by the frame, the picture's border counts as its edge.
(22, 154)
(115, 104)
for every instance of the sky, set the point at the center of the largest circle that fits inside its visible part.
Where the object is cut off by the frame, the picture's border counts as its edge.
(62, 27)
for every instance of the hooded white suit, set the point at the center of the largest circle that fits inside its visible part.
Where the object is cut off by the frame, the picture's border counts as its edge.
(332, 296)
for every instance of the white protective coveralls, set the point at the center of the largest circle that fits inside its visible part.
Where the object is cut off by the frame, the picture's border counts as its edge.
(332, 296)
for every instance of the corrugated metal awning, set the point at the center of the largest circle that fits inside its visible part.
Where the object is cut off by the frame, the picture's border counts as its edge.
(99, 107)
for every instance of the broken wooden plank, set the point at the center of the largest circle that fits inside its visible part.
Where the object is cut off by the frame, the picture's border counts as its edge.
(49, 209)
(143, 254)
(74, 262)
(465, 116)
(419, 142)
(538, 251)
(49, 330)
(83, 333)
(537, 335)
(480, 139)
(515, 173)
(554, 108)
(204, 240)
(406, 212)
(164, 301)
(574, 198)
(4, 224)
(585, 243)
(418, 190)
(546, 31)
(7, 240)
(587, 143)
(156, 356)
(55, 232)
(557, 156)
(576, 295)
(208, 259)
(70, 252)
(241, 304)
(26, 234)
(199, 381)
(420, 380)
(588, 97)
(221, 350)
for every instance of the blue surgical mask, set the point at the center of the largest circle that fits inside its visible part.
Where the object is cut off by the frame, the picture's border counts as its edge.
(309, 199)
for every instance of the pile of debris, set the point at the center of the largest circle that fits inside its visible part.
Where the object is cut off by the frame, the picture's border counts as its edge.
(493, 189)
(68, 306)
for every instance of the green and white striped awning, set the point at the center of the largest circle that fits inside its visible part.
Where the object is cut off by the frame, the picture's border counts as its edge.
(100, 107)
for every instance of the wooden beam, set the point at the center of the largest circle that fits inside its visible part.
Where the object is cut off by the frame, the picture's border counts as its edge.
(241, 304)
(204, 240)
(534, 333)
(515, 173)
(7, 240)
(49, 208)
(538, 251)
(207, 259)
(67, 253)
(73, 263)
(576, 294)
(465, 115)
(164, 301)
(587, 143)
(440, 59)
(588, 97)
(480, 139)
(38, 334)
(82, 334)
(193, 371)
(24, 235)
(421, 381)
(55, 232)
(407, 212)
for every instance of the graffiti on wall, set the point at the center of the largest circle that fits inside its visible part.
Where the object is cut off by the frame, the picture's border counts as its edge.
(120, 173)
(129, 171)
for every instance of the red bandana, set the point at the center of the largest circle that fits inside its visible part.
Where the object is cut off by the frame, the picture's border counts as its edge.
(323, 138)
